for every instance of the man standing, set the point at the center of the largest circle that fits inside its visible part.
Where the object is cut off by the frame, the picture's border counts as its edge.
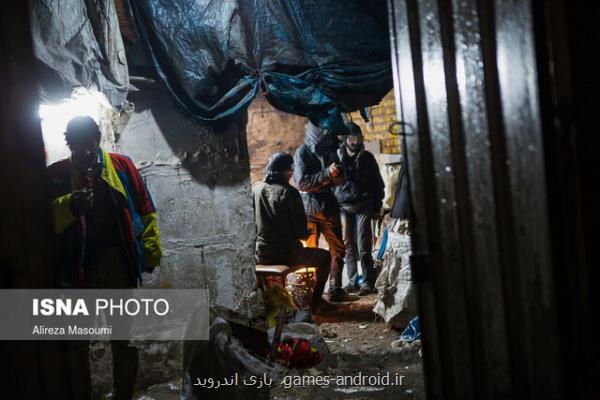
(360, 198)
(316, 173)
(107, 234)
(281, 224)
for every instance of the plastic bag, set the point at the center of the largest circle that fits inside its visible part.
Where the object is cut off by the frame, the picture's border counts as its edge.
(412, 331)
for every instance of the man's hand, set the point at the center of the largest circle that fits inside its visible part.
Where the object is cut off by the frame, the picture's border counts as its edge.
(81, 201)
(334, 170)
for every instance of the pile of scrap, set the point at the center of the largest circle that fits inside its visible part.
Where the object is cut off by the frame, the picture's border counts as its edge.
(244, 358)
(396, 302)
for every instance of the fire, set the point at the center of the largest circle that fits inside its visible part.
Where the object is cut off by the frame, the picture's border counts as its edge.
(307, 270)
(300, 284)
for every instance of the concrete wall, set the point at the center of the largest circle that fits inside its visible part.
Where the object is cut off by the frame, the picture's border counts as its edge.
(199, 178)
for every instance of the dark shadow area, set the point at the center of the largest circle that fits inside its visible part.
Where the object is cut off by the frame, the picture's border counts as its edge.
(30, 370)
(215, 154)
(569, 84)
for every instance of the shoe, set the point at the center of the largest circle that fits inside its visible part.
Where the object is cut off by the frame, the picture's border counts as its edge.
(323, 306)
(338, 295)
(351, 288)
(365, 290)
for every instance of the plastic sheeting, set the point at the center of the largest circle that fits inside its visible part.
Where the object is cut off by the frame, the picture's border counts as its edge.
(78, 44)
(412, 331)
(311, 57)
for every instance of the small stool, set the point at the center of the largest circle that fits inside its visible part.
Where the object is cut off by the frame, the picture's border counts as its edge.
(265, 271)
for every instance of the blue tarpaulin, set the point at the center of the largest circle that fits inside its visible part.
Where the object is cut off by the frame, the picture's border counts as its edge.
(310, 57)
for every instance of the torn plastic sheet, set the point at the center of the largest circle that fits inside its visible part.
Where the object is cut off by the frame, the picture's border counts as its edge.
(78, 44)
(311, 57)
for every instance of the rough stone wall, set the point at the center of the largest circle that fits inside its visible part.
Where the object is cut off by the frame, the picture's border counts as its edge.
(268, 131)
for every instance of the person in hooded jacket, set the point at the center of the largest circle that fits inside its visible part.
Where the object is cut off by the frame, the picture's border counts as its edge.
(316, 173)
(360, 198)
(281, 224)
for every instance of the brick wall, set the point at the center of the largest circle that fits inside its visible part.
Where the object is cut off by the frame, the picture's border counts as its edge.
(268, 131)
(382, 115)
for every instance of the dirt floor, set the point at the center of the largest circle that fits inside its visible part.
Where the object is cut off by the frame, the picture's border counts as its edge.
(361, 349)
(361, 346)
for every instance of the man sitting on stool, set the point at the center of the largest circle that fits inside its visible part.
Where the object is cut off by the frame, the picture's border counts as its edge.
(281, 224)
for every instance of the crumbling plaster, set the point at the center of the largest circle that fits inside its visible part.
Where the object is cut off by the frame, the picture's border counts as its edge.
(199, 177)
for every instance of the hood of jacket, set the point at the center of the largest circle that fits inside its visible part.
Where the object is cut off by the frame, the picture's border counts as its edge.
(314, 135)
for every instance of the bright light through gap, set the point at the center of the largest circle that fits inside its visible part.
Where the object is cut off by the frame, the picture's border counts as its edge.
(54, 119)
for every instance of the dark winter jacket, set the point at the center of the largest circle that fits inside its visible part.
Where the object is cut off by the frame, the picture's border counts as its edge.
(280, 220)
(311, 173)
(363, 180)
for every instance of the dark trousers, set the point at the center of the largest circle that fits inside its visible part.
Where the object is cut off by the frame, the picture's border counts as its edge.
(331, 229)
(358, 239)
(107, 270)
(302, 257)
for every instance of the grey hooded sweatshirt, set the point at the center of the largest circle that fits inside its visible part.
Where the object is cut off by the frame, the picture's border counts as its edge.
(311, 172)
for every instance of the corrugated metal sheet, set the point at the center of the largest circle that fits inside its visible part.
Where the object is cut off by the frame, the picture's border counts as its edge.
(466, 84)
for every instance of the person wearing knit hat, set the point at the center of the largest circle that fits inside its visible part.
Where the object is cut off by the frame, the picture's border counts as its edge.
(281, 225)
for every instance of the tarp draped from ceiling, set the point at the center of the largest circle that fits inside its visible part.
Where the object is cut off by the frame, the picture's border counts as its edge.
(311, 57)
(78, 44)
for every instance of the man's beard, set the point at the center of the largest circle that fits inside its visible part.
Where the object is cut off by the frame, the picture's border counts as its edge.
(355, 148)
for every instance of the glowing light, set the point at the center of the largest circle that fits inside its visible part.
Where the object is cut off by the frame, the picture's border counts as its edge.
(300, 285)
(54, 119)
(435, 80)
